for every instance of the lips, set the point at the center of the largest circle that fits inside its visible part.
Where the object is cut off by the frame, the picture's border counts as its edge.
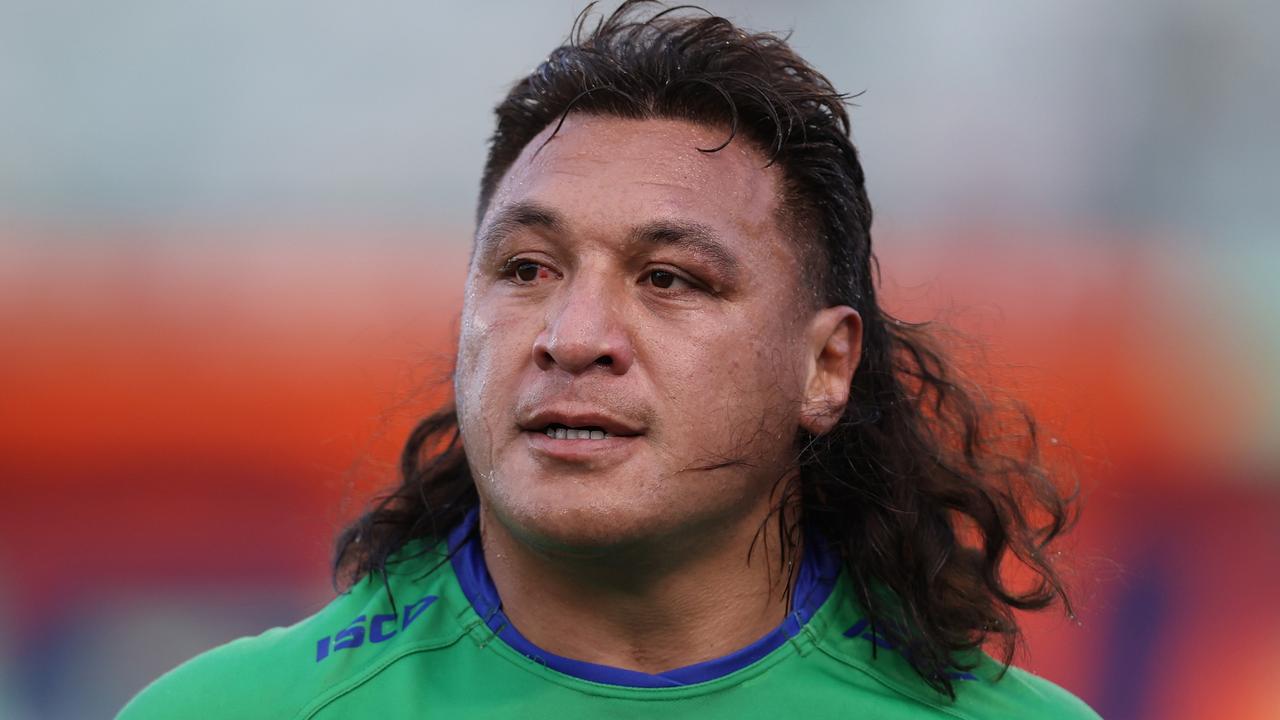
(577, 420)
(581, 438)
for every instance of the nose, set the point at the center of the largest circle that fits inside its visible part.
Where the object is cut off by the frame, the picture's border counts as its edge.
(585, 331)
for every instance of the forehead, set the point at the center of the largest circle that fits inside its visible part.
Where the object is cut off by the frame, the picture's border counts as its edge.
(606, 171)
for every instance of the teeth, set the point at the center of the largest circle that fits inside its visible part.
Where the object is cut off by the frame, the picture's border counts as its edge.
(564, 433)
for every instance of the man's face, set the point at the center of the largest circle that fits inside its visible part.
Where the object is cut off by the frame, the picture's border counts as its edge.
(633, 342)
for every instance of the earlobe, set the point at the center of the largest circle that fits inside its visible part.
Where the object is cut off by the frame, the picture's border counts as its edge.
(835, 347)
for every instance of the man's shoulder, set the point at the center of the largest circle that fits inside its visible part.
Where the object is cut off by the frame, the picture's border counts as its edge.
(1018, 693)
(285, 671)
(984, 688)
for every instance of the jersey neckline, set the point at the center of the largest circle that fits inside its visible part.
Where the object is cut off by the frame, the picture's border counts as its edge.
(819, 571)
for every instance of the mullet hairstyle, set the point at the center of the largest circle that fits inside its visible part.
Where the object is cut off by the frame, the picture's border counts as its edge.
(930, 492)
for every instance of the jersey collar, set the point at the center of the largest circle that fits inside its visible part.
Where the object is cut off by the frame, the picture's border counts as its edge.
(819, 570)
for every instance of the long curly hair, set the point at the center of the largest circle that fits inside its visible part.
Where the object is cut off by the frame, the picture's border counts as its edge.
(929, 489)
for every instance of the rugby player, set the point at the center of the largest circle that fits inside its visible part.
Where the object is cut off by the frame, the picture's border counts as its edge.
(692, 468)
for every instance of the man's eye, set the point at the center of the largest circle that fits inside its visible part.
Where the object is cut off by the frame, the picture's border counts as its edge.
(662, 278)
(527, 271)
(667, 280)
(524, 272)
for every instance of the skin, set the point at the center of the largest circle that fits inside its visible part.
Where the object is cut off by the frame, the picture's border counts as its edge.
(622, 278)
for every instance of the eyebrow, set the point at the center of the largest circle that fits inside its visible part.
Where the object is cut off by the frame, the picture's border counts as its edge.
(693, 237)
(524, 214)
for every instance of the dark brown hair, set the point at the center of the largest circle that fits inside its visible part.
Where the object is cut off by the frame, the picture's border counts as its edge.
(926, 487)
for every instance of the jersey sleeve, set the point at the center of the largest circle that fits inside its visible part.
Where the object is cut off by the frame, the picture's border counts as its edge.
(286, 672)
(231, 681)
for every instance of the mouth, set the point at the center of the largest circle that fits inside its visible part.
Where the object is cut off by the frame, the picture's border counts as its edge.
(557, 431)
(579, 424)
(580, 435)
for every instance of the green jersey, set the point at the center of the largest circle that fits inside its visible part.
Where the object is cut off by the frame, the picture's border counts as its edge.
(435, 643)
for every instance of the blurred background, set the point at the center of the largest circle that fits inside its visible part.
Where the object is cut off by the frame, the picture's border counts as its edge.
(233, 237)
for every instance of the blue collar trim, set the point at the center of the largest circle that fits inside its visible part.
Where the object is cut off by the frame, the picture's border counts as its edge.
(817, 577)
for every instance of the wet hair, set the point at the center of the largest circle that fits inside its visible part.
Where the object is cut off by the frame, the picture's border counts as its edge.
(933, 494)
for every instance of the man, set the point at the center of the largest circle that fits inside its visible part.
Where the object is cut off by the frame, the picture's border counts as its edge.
(693, 469)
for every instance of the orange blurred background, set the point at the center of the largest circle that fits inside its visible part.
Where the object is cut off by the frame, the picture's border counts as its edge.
(232, 244)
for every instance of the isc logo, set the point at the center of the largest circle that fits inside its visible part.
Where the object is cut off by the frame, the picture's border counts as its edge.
(380, 629)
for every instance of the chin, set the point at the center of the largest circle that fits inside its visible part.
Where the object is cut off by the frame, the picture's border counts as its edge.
(571, 521)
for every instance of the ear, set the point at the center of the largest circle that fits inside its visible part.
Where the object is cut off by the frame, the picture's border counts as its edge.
(835, 346)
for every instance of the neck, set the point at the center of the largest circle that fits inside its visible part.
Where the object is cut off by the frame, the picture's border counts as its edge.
(650, 609)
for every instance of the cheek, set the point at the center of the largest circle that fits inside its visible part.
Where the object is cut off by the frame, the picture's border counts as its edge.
(739, 386)
(471, 365)
(766, 377)
(485, 361)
